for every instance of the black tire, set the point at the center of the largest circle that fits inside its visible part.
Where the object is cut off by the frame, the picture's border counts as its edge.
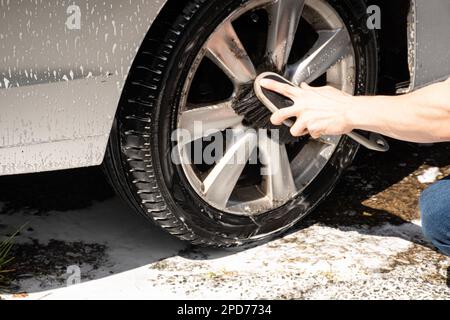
(138, 162)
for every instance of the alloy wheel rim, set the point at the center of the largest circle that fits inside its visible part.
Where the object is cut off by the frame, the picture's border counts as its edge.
(283, 175)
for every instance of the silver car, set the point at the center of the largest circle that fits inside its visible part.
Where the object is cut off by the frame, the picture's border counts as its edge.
(138, 85)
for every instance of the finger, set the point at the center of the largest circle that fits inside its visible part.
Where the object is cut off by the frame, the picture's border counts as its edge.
(299, 129)
(304, 85)
(281, 88)
(283, 114)
(316, 130)
(315, 134)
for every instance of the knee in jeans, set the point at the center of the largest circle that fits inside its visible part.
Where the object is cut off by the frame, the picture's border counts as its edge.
(426, 213)
(434, 213)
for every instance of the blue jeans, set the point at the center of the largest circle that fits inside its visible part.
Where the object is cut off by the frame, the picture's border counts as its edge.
(435, 211)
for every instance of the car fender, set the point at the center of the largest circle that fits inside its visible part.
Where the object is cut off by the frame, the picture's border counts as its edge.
(63, 66)
(429, 44)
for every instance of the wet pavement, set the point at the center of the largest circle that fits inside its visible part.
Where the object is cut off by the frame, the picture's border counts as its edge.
(365, 241)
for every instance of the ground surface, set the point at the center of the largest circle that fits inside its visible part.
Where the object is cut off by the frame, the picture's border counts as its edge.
(365, 241)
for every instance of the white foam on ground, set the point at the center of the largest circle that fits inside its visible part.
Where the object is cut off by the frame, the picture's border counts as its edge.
(315, 263)
(429, 176)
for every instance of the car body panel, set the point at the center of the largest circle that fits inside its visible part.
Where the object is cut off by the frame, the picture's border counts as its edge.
(429, 49)
(60, 86)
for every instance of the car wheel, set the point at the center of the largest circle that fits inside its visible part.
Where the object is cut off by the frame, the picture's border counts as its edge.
(182, 97)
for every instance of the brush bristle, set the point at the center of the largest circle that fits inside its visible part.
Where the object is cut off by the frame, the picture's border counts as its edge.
(249, 106)
(257, 115)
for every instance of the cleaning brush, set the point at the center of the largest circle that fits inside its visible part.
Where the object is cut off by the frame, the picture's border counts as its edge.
(257, 104)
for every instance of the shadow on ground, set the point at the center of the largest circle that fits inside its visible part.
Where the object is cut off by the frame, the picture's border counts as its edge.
(73, 218)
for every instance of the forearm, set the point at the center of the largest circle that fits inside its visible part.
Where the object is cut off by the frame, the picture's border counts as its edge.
(422, 116)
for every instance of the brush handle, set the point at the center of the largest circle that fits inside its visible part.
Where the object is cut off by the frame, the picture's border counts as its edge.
(289, 123)
(375, 142)
(273, 100)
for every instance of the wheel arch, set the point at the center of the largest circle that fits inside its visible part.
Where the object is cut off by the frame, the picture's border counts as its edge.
(393, 44)
(169, 11)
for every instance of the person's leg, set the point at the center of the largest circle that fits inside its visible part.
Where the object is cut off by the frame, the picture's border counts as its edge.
(435, 211)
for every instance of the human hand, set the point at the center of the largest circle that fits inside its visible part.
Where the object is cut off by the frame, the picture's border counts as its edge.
(319, 111)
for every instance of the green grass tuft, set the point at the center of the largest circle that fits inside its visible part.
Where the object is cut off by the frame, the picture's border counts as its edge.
(5, 259)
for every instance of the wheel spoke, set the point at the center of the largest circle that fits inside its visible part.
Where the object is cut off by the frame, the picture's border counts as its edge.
(331, 46)
(207, 120)
(278, 179)
(221, 181)
(284, 19)
(226, 51)
(311, 160)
